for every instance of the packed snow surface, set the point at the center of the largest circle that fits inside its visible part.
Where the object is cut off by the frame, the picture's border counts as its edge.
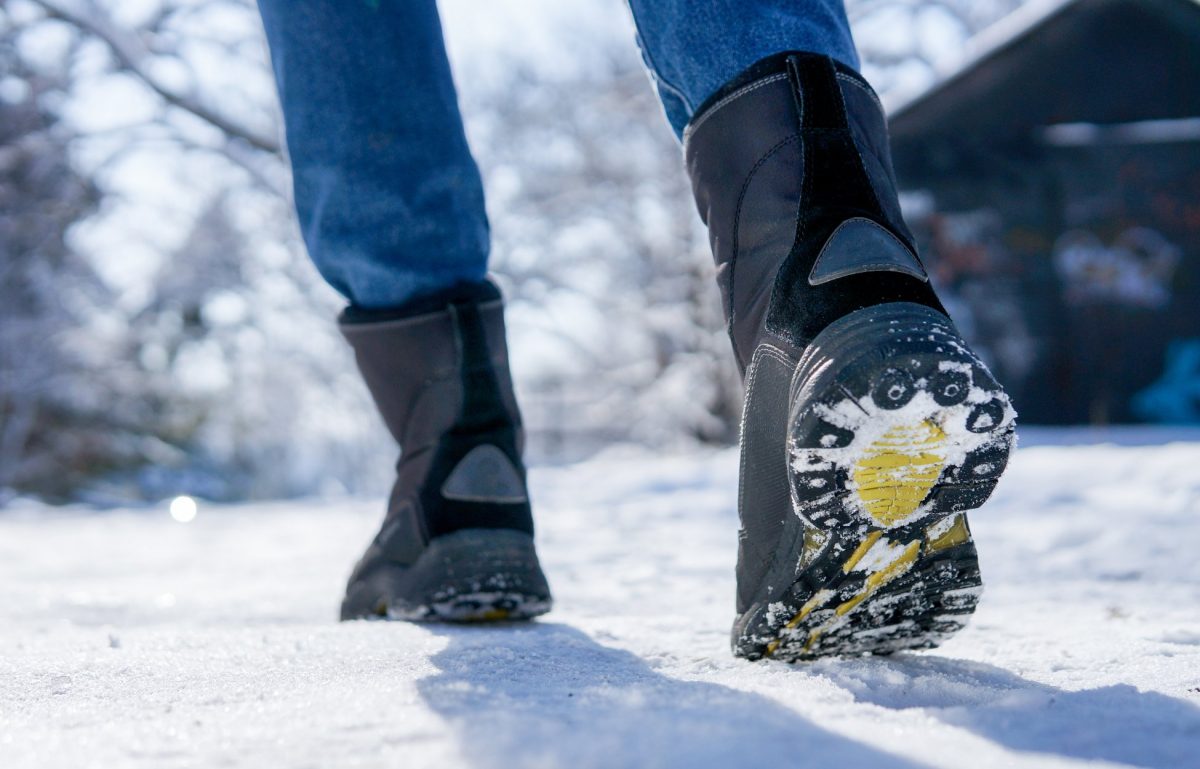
(132, 639)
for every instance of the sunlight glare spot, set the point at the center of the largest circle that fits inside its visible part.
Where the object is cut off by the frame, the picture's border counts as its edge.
(183, 509)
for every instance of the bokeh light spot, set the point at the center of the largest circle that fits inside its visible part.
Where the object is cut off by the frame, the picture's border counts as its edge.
(183, 509)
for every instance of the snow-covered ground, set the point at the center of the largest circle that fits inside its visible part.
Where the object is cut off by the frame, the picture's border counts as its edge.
(130, 640)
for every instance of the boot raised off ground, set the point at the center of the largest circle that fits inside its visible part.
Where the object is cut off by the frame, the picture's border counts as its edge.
(457, 542)
(869, 426)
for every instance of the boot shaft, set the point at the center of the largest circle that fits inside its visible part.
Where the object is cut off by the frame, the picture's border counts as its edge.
(441, 382)
(421, 368)
(791, 172)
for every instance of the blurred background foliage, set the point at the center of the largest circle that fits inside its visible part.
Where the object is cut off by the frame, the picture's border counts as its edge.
(161, 331)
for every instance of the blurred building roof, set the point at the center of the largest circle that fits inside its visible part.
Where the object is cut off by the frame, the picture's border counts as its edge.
(1063, 71)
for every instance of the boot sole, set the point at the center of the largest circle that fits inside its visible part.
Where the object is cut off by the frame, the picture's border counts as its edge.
(472, 575)
(896, 430)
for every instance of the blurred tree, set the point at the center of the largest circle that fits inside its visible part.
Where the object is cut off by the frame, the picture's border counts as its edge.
(193, 55)
(214, 374)
(222, 374)
(55, 426)
(904, 44)
(596, 231)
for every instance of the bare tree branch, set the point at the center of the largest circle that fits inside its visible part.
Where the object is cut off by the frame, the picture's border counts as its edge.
(131, 54)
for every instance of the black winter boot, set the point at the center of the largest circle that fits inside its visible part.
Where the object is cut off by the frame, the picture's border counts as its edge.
(457, 542)
(869, 426)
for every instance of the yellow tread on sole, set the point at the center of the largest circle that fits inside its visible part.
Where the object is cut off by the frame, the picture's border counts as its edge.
(956, 533)
(898, 470)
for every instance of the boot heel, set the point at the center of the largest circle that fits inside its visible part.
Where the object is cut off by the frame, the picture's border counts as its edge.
(894, 422)
(896, 429)
(471, 575)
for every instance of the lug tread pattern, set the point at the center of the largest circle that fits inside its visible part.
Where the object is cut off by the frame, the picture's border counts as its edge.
(892, 378)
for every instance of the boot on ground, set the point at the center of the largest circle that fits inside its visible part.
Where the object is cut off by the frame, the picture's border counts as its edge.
(457, 541)
(870, 428)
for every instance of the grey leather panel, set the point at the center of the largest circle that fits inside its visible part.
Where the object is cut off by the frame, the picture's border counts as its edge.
(766, 231)
(860, 245)
(764, 498)
(485, 474)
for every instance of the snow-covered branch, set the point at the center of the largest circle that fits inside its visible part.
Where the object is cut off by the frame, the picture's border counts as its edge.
(132, 56)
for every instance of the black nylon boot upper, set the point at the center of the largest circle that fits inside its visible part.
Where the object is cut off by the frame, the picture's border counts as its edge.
(792, 173)
(439, 374)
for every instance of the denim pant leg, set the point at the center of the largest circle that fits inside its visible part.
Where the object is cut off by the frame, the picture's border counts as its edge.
(389, 198)
(692, 49)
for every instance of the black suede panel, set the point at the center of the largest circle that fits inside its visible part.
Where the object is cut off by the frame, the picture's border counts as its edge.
(869, 129)
(818, 95)
(484, 419)
(836, 188)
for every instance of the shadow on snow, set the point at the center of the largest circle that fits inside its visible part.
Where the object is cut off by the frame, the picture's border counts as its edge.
(1114, 723)
(547, 695)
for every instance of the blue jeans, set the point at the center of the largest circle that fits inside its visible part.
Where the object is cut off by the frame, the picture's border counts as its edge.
(389, 198)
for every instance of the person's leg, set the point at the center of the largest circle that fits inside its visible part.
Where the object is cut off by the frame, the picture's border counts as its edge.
(389, 198)
(869, 426)
(391, 207)
(692, 49)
